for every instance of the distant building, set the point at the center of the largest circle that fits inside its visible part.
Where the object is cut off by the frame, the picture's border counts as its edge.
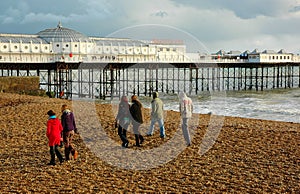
(266, 56)
(66, 45)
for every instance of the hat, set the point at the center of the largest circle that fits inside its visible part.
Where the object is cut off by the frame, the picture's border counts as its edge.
(155, 95)
(50, 113)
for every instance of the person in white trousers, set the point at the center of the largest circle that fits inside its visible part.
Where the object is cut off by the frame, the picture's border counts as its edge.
(186, 111)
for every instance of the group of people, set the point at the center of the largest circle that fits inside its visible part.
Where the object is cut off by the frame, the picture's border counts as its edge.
(133, 114)
(59, 131)
(63, 130)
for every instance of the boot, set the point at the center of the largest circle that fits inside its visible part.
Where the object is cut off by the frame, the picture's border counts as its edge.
(137, 140)
(67, 154)
(52, 161)
(58, 154)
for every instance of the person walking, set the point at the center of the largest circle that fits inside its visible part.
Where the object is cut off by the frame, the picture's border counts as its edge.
(123, 120)
(69, 126)
(54, 129)
(186, 111)
(157, 114)
(137, 119)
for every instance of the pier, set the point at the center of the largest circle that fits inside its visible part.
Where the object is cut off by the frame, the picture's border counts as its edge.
(109, 80)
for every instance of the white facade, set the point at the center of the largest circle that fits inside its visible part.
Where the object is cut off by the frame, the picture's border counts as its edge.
(66, 45)
(271, 57)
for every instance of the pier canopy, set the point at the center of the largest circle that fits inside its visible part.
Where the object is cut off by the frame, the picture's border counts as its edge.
(61, 34)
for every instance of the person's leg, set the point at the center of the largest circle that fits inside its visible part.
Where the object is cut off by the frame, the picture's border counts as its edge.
(185, 131)
(71, 146)
(68, 144)
(151, 128)
(124, 132)
(58, 154)
(120, 133)
(161, 128)
(52, 154)
(136, 134)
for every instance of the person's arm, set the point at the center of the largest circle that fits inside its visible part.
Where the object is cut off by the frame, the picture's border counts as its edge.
(153, 108)
(74, 123)
(63, 121)
(48, 129)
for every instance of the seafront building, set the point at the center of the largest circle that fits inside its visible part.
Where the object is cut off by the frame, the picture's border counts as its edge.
(62, 44)
(70, 64)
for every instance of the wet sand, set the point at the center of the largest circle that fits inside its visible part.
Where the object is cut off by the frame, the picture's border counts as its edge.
(231, 155)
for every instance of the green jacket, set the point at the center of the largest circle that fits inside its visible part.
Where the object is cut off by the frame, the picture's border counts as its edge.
(157, 111)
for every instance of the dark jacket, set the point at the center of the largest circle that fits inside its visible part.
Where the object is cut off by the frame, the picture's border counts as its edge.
(123, 111)
(136, 112)
(68, 121)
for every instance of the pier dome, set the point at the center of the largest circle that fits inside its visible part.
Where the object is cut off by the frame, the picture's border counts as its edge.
(61, 34)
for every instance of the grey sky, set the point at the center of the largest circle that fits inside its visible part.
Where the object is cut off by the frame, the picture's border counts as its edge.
(217, 24)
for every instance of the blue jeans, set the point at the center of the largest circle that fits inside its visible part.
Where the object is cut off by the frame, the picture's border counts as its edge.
(161, 127)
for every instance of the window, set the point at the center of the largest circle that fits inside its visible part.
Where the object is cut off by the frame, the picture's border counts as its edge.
(46, 48)
(67, 45)
(16, 47)
(36, 48)
(26, 47)
(75, 45)
(4, 46)
(57, 45)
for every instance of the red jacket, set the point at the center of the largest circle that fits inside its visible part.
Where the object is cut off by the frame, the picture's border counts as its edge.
(54, 129)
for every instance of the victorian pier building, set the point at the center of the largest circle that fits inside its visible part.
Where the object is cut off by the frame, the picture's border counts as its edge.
(70, 64)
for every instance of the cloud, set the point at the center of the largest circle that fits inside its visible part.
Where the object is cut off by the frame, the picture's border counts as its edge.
(239, 25)
(244, 9)
(295, 9)
(161, 14)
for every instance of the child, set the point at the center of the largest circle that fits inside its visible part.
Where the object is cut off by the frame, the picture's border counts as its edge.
(54, 129)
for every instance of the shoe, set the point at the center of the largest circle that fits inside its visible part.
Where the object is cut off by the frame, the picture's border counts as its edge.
(126, 144)
(138, 145)
(62, 160)
(162, 136)
(75, 156)
(142, 140)
(148, 134)
(51, 164)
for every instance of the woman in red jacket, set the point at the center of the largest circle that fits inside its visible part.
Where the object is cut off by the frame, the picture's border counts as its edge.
(54, 129)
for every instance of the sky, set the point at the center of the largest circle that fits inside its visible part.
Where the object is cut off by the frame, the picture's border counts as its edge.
(211, 25)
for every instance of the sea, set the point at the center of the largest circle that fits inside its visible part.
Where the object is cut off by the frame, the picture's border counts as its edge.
(276, 104)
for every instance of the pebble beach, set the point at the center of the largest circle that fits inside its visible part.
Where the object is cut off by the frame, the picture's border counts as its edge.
(242, 156)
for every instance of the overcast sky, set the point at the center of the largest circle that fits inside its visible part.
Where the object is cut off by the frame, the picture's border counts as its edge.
(213, 24)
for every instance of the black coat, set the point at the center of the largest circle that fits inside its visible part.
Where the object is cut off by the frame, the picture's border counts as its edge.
(136, 112)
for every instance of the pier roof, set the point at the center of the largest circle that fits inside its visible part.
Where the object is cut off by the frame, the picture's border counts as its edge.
(61, 34)
(17, 38)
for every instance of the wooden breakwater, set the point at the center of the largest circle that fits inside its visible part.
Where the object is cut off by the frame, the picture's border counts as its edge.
(103, 80)
(20, 85)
